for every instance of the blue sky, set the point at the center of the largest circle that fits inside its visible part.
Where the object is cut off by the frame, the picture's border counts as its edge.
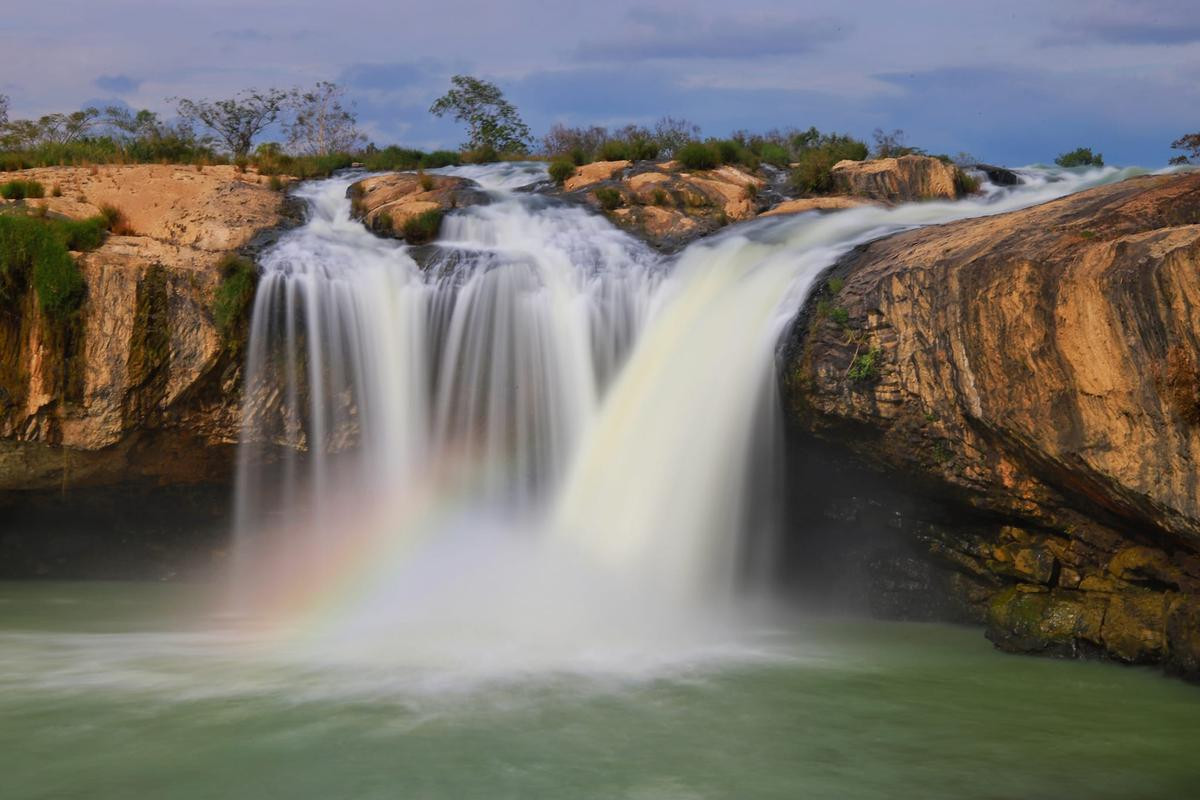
(1012, 82)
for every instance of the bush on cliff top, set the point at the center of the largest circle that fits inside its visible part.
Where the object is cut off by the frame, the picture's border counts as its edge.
(34, 252)
(818, 153)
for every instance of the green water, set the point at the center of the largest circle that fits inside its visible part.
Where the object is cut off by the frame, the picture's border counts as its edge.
(104, 695)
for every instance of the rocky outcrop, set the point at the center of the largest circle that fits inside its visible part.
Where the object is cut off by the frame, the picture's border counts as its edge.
(387, 203)
(665, 204)
(141, 387)
(806, 204)
(898, 180)
(1038, 370)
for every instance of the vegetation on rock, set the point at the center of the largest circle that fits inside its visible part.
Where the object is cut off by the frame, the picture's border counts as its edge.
(1080, 157)
(423, 228)
(235, 292)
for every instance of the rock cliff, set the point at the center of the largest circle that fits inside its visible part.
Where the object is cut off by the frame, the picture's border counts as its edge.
(1037, 369)
(145, 387)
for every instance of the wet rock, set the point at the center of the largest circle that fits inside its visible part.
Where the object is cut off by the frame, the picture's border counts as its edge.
(1135, 626)
(387, 203)
(998, 175)
(1033, 619)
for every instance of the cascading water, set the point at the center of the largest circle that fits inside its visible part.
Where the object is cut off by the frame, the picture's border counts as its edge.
(545, 431)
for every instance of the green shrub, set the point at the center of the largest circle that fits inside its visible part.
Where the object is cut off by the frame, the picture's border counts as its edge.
(643, 149)
(83, 234)
(661, 198)
(423, 228)
(839, 315)
(965, 183)
(613, 150)
(35, 251)
(813, 173)
(481, 155)
(21, 190)
(698, 155)
(276, 183)
(1080, 157)
(608, 198)
(58, 282)
(426, 182)
(865, 367)
(835, 285)
(234, 293)
(440, 158)
(560, 170)
(394, 158)
(775, 154)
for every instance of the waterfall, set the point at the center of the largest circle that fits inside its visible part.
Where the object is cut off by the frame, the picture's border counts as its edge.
(544, 425)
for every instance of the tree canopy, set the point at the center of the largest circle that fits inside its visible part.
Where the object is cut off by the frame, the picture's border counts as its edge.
(492, 121)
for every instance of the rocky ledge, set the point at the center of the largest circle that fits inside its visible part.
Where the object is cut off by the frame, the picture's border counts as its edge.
(1037, 371)
(145, 388)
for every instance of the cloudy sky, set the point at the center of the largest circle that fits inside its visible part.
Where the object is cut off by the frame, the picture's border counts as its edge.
(1013, 82)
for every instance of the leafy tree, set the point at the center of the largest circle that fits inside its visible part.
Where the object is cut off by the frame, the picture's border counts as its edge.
(130, 126)
(672, 134)
(1189, 143)
(1080, 157)
(237, 120)
(492, 122)
(322, 124)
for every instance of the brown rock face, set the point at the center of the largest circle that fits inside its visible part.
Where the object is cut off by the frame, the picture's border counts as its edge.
(386, 202)
(1026, 366)
(141, 387)
(897, 180)
(665, 205)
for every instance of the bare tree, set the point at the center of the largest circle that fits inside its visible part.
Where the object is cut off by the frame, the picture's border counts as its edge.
(237, 120)
(322, 125)
(672, 134)
(889, 145)
(3, 109)
(561, 140)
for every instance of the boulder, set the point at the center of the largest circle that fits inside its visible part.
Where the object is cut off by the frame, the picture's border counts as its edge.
(897, 180)
(386, 202)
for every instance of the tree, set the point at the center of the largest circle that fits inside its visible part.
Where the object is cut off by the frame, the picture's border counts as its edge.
(236, 121)
(128, 125)
(322, 125)
(1190, 144)
(672, 134)
(3, 109)
(492, 122)
(66, 128)
(578, 143)
(890, 145)
(1080, 157)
